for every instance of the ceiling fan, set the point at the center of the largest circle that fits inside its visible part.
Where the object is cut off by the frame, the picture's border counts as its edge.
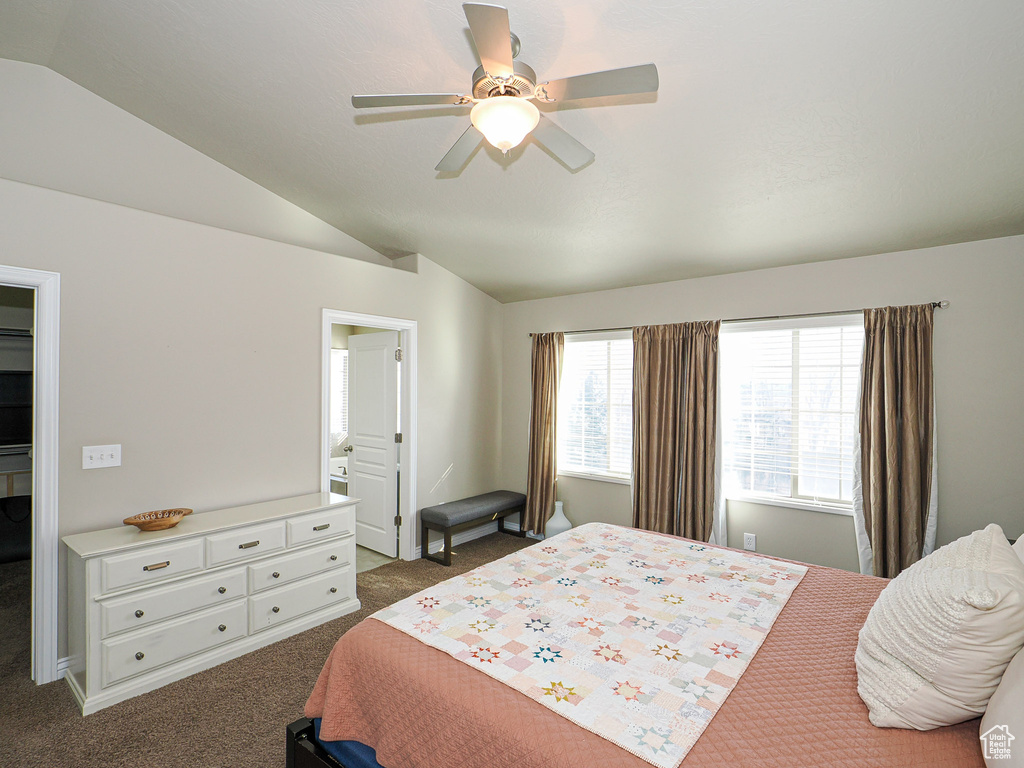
(504, 90)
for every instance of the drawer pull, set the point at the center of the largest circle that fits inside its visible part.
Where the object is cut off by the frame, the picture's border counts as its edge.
(139, 613)
(249, 544)
(140, 656)
(276, 575)
(222, 590)
(323, 527)
(334, 557)
(222, 627)
(275, 609)
(156, 566)
(333, 590)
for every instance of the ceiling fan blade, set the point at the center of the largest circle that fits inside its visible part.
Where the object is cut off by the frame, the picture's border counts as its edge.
(612, 82)
(489, 25)
(408, 100)
(561, 144)
(460, 151)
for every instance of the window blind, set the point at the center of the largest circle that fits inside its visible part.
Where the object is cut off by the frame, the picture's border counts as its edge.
(339, 393)
(789, 391)
(595, 405)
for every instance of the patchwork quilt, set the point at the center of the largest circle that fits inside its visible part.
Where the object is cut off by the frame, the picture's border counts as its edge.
(634, 636)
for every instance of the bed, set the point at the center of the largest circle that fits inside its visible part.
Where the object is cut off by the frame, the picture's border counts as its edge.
(795, 704)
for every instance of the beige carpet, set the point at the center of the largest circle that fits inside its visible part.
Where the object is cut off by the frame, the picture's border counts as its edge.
(232, 715)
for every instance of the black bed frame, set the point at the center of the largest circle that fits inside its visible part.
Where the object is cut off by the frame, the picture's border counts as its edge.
(303, 751)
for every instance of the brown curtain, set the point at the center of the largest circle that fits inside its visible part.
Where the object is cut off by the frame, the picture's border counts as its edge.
(675, 386)
(896, 424)
(542, 463)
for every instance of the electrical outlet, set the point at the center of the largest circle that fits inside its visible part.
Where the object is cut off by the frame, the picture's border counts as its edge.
(750, 541)
(96, 456)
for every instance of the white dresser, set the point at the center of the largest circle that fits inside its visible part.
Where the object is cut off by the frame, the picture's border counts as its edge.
(145, 609)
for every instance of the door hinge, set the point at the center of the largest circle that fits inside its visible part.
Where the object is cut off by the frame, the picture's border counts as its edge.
(398, 354)
(398, 519)
(398, 437)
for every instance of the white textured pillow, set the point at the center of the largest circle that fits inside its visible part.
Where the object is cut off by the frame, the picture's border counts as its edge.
(1018, 547)
(938, 638)
(1006, 713)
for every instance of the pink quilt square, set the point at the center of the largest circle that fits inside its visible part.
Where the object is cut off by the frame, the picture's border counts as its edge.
(518, 663)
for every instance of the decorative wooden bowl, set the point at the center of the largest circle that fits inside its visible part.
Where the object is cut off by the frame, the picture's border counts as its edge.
(158, 520)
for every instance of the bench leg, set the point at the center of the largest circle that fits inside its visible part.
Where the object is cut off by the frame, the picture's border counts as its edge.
(501, 524)
(425, 545)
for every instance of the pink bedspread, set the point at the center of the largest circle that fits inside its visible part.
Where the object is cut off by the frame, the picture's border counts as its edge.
(796, 704)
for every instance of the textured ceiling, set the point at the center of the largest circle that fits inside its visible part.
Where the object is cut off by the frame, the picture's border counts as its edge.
(784, 131)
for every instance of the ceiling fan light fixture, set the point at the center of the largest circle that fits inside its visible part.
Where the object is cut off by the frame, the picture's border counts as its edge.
(502, 89)
(504, 120)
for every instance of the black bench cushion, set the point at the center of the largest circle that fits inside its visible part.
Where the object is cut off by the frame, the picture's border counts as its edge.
(474, 508)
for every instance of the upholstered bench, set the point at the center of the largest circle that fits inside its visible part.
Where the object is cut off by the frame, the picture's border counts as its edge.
(465, 513)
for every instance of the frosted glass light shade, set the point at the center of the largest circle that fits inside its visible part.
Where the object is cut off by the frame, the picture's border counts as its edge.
(504, 120)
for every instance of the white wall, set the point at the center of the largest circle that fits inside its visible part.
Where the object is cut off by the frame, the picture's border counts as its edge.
(979, 370)
(58, 135)
(339, 335)
(198, 349)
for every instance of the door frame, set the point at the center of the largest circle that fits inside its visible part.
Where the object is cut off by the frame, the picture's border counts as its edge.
(45, 379)
(407, 331)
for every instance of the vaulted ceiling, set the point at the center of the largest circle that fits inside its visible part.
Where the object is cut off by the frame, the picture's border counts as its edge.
(784, 131)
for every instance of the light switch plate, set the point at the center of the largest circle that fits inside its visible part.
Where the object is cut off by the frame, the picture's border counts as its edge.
(96, 456)
(750, 541)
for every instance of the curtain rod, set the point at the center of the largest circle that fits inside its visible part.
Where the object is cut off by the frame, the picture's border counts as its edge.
(935, 305)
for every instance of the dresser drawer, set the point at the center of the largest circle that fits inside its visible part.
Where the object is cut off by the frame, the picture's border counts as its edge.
(290, 602)
(244, 543)
(150, 564)
(320, 525)
(145, 607)
(138, 652)
(298, 565)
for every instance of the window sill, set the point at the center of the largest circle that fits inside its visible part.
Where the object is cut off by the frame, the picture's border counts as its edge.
(808, 506)
(599, 478)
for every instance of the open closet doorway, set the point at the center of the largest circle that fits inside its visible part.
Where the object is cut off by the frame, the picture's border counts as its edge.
(17, 321)
(369, 427)
(29, 355)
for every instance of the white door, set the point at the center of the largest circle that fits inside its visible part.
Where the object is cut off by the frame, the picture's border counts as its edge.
(372, 426)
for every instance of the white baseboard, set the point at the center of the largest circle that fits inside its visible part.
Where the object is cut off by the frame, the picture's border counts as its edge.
(62, 666)
(468, 535)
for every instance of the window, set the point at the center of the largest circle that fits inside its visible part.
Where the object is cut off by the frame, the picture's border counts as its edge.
(339, 397)
(789, 390)
(595, 406)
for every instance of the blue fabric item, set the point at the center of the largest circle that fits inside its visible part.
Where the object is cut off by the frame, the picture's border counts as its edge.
(351, 754)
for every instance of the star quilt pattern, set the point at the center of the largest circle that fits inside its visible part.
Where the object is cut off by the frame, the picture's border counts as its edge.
(634, 636)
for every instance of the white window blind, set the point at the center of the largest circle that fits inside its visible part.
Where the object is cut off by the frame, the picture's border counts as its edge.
(788, 403)
(595, 405)
(339, 394)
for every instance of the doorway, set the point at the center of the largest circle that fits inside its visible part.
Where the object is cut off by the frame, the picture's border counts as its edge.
(365, 411)
(17, 319)
(35, 471)
(369, 425)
